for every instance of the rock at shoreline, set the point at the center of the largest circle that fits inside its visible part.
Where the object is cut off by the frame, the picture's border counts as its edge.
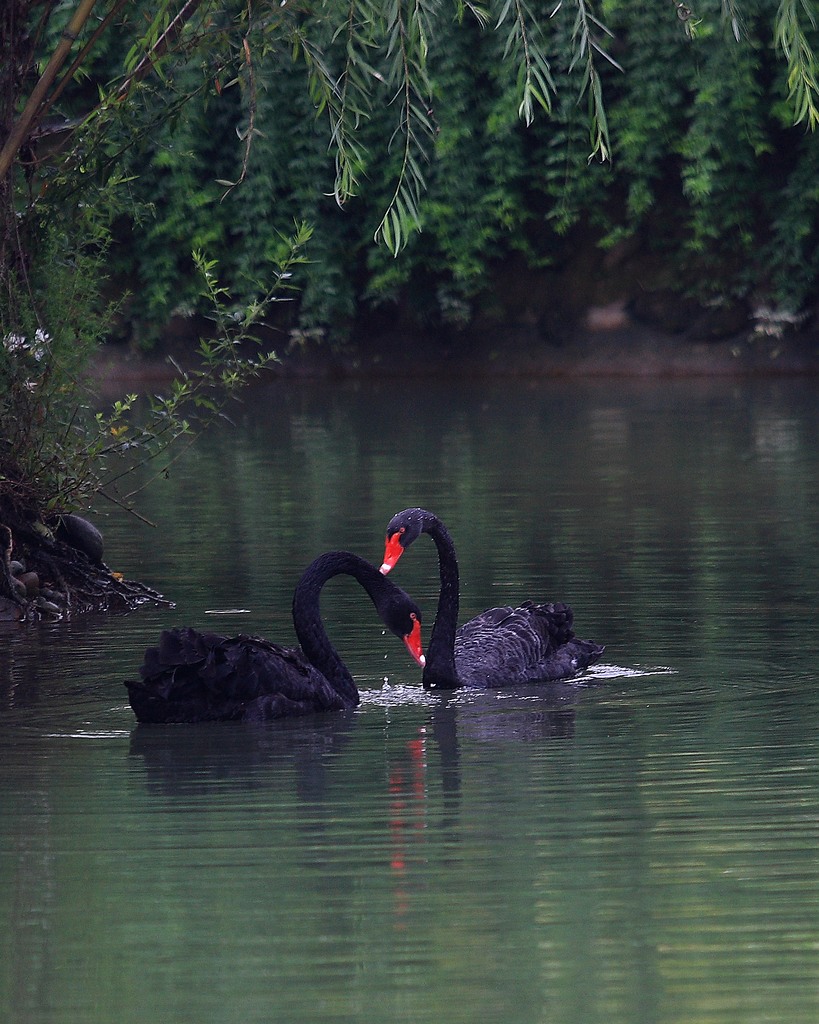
(82, 535)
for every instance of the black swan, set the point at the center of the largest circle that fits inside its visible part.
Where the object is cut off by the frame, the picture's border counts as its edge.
(200, 677)
(532, 643)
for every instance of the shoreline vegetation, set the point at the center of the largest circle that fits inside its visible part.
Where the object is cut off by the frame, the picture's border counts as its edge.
(594, 313)
(606, 341)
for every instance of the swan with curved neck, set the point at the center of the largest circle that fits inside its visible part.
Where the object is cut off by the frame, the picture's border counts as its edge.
(196, 677)
(531, 643)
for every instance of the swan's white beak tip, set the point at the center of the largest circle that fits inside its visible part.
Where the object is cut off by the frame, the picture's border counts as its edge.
(385, 568)
(422, 661)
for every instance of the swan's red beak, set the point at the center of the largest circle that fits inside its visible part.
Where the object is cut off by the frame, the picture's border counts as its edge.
(392, 552)
(413, 642)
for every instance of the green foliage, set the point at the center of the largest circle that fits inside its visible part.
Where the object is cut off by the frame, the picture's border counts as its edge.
(793, 250)
(722, 151)
(45, 456)
(473, 199)
(432, 125)
(647, 114)
(196, 397)
(56, 451)
(574, 186)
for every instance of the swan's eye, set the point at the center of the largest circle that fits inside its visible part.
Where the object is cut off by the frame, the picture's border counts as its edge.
(413, 616)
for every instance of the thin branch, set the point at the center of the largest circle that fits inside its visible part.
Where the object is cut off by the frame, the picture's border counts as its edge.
(402, 212)
(251, 109)
(160, 47)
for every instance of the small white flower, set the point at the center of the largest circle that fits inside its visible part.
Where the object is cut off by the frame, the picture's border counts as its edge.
(14, 342)
(18, 343)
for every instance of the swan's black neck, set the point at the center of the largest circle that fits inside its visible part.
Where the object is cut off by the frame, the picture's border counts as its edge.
(307, 614)
(439, 671)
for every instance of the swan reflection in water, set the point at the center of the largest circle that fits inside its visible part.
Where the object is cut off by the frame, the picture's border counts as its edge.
(306, 749)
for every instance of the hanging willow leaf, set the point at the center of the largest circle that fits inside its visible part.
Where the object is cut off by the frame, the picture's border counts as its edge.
(524, 45)
(586, 46)
(790, 38)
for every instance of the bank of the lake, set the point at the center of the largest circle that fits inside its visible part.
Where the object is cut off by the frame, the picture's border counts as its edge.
(604, 341)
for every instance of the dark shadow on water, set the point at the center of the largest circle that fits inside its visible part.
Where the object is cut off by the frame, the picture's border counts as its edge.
(194, 760)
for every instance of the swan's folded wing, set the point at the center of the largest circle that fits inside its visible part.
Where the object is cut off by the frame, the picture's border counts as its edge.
(278, 677)
(184, 646)
(196, 677)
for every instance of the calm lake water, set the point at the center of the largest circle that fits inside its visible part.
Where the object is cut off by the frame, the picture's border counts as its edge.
(642, 849)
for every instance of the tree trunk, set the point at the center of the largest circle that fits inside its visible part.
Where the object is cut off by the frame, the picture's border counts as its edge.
(15, 52)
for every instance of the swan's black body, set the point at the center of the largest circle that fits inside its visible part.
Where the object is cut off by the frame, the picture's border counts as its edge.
(198, 677)
(532, 643)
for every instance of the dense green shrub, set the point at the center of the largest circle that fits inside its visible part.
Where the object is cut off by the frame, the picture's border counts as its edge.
(703, 164)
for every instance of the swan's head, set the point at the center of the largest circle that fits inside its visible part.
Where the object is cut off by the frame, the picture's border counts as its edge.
(403, 617)
(393, 549)
(413, 643)
(402, 530)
